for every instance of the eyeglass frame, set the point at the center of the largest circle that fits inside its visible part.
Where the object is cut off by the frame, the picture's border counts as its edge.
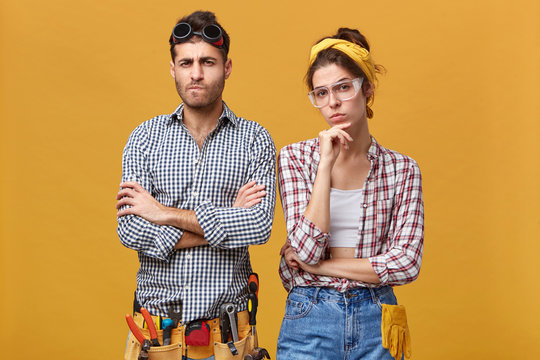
(357, 84)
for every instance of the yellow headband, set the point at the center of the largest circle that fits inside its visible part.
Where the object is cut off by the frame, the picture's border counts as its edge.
(356, 52)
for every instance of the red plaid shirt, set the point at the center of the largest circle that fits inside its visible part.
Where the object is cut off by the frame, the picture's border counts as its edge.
(390, 228)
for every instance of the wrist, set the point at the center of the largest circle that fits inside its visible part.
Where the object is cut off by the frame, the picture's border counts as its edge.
(168, 216)
(325, 167)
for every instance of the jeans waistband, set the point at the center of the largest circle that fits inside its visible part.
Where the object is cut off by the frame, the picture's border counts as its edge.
(331, 294)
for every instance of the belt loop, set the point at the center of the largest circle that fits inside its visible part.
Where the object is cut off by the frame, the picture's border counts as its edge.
(316, 294)
(374, 297)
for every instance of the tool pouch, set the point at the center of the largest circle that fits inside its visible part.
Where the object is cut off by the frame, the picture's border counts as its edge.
(225, 352)
(168, 352)
(222, 351)
(243, 347)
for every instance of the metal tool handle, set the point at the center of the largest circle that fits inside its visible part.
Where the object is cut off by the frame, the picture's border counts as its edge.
(224, 324)
(230, 309)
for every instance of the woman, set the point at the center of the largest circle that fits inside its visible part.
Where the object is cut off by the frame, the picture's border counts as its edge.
(354, 216)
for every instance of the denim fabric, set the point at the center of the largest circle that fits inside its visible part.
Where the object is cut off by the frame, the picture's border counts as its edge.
(322, 323)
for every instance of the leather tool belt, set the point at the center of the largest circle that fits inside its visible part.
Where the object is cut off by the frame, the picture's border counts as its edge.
(178, 348)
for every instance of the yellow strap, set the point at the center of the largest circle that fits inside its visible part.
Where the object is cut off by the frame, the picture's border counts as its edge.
(360, 55)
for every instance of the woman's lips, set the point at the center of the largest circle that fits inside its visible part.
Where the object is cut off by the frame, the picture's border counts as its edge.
(337, 117)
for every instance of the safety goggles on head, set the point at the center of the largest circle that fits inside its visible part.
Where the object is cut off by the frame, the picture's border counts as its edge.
(211, 33)
(343, 90)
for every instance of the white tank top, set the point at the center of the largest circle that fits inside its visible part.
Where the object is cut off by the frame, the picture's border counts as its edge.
(344, 217)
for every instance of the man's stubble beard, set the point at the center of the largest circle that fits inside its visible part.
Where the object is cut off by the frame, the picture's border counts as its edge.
(212, 94)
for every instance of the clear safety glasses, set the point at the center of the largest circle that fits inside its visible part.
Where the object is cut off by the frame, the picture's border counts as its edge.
(343, 90)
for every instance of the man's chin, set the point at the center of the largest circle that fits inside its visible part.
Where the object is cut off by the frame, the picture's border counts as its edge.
(198, 103)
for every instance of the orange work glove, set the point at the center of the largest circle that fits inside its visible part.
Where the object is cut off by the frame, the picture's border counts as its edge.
(395, 332)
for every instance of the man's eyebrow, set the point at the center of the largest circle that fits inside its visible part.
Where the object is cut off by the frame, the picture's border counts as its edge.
(185, 59)
(206, 58)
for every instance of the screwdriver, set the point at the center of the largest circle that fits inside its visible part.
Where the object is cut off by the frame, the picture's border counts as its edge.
(167, 325)
(253, 303)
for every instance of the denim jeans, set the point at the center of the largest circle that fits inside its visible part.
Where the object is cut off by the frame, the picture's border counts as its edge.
(322, 323)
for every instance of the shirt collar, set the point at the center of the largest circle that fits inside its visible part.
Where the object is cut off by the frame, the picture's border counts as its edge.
(227, 114)
(374, 150)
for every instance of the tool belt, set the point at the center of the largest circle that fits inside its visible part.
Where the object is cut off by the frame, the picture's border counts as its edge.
(178, 347)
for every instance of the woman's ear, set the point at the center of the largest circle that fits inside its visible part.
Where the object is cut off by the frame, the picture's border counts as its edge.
(368, 91)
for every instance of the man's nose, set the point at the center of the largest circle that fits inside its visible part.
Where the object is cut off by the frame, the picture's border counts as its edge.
(197, 72)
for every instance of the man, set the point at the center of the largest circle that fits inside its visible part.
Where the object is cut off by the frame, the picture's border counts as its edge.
(198, 186)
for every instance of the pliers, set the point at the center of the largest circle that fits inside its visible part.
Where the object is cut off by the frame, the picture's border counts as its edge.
(137, 332)
(151, 326)
(145, 343)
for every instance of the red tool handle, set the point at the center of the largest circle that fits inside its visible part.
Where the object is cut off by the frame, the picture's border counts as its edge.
(149, 323)
(135, 329)
(253, 284)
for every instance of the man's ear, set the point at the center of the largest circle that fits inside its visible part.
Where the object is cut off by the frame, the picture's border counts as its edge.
(228, 68)
(172, 69)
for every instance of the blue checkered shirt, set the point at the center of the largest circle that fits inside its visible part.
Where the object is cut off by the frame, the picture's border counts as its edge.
(164, 158)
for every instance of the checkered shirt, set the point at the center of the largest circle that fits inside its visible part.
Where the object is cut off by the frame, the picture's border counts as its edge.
(391, 224)
(164, 158)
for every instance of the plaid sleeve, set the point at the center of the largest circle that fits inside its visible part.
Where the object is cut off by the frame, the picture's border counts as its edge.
(306, 238)
(135, 232)
(401, 263)
(233, 227)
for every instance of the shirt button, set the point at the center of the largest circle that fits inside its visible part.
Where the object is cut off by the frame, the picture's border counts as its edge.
(188, 256)
(186, 287)
(365, 205)
(195, 194)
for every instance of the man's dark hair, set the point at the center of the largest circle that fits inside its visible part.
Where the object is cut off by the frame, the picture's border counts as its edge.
(198, 20)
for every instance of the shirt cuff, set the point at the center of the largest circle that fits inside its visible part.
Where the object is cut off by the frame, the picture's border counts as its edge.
(309, 241)
(379, 266)
(308, 229)
(207, 217)
(165, 241)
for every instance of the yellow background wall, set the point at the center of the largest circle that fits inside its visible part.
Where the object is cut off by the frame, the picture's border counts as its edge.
(461, 96)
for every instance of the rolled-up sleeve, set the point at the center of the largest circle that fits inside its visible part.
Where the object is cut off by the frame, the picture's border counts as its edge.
(401, 263)
(305, 238)
(135, 232)
(233, 227)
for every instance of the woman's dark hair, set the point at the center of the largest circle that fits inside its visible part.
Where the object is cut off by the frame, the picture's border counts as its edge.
(334, 56)
(198, 20)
